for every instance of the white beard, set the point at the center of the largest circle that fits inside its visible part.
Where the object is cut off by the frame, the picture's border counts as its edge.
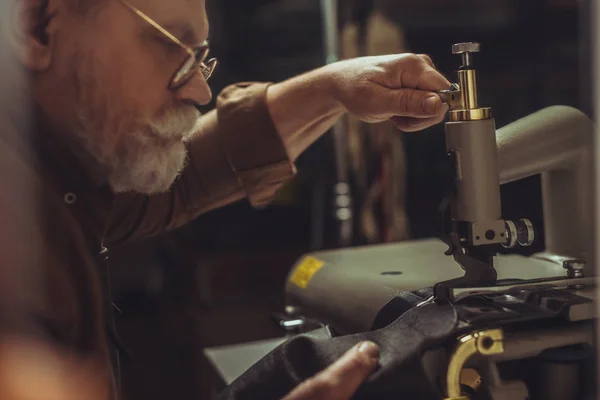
(148, 159)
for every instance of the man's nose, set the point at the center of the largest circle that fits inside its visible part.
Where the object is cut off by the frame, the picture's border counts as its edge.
(196, 90)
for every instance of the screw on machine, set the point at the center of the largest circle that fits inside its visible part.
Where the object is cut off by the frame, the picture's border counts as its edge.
(574, 268)
(466, 49)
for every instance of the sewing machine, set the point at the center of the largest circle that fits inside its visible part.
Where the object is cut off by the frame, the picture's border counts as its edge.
(526, 323)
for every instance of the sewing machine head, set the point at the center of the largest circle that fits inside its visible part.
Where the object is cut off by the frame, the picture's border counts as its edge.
(475, 226)
(366, 288)
(554, 142)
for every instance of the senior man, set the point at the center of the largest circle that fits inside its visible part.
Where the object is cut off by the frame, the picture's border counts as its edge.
(119, 151)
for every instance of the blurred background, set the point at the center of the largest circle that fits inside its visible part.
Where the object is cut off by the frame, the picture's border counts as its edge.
(219, 280)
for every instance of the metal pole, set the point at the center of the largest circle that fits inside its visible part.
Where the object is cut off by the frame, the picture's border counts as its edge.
(594, 49)
(329, 9)
(586, 54)
(341, 190)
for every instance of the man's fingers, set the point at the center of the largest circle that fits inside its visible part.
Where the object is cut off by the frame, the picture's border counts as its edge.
(418, 72)
(431, 79)
(409, 124)
(32, 371)
(427, 58)
(341, 379)
(416, 103)
(353, 368)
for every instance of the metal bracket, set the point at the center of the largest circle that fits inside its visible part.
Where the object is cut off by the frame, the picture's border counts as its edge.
(451, 96)
(477, 273)
(476, 262)
(557, 283)
(485, 343)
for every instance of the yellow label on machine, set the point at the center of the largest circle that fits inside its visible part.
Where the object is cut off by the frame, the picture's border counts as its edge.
(305, 271)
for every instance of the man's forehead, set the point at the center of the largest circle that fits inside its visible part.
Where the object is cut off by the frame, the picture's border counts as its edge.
(187, 32)
(186, 19)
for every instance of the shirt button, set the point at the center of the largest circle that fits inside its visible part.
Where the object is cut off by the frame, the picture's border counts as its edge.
(70, 198)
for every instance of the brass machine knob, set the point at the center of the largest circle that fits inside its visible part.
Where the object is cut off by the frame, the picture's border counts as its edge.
(466, 50)
(465, 106)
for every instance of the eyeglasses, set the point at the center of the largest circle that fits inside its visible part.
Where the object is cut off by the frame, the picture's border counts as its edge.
(197, 55)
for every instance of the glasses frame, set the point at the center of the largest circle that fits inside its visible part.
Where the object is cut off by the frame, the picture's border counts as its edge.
(196, 55)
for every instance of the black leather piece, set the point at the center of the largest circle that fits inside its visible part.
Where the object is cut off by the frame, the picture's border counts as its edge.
(402, 344)
(399, 305)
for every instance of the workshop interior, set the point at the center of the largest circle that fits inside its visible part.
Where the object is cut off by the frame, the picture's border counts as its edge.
(492, 211)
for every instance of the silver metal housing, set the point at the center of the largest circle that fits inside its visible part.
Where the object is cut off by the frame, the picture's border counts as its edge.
(556, 143)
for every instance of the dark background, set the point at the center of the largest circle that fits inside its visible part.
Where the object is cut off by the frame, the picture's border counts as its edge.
(218, 280)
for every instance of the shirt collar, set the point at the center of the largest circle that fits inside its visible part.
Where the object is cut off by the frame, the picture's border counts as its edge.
(75, 176)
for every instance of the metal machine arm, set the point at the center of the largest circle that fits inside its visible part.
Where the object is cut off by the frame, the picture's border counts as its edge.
(477, 227)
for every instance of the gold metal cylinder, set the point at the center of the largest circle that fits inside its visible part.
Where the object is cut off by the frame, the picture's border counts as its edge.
(476, 114)
(468, 86)
(458, 398)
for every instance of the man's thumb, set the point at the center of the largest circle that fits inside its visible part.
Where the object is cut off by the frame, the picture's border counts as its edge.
(416, 103)
(341, 379)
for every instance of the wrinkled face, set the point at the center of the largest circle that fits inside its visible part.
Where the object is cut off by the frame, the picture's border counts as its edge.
(108, 86)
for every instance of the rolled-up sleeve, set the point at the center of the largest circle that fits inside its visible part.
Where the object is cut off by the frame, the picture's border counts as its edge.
(242, 156)
(258, 158)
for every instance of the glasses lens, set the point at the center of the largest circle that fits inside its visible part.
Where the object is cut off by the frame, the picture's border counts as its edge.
(191, 66)
(184, 71)
(201, 54)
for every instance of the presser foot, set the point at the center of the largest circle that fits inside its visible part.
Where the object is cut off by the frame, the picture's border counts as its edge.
(477, 264)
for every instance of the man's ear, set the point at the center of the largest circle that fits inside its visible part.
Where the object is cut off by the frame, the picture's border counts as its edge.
(31, 32)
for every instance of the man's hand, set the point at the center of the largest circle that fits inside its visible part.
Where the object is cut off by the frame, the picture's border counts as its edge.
(340, 380)
(374, 89)
(395, 87)
(31, 370)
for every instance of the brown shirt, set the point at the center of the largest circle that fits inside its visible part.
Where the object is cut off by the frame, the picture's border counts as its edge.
(57, 217)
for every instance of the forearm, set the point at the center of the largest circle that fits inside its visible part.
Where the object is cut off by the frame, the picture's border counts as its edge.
(303, 108)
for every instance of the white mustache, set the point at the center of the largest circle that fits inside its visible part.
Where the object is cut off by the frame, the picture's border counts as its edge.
(178, 123)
